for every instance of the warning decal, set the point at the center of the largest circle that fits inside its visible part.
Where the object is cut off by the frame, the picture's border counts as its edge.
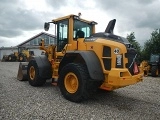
(116, 51)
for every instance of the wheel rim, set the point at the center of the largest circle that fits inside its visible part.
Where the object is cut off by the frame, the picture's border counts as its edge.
(32, 73)
(71, 82)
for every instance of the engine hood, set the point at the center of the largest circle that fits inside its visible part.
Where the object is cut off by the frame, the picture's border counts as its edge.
(109, 36)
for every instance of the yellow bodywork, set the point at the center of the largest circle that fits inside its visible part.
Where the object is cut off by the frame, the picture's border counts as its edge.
(115, 77)
(16, 54)
(26, 52)
(145, 67)
(113, 80)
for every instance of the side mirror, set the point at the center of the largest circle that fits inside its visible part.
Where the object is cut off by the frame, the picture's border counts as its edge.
(46, 26)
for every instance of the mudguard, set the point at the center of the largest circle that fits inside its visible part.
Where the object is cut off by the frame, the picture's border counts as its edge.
(90, 59)
(44, 66)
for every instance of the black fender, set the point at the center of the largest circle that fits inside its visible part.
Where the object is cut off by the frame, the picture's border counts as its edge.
(89, 58)
(44, 66)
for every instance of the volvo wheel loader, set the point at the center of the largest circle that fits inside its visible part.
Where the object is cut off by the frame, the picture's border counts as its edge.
(23, 55)
(151, 67)
(10, 58)
(154, 64)
(145, 67)
(83, 61)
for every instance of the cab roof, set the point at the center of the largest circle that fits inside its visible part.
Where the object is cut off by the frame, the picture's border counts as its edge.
(71, 16)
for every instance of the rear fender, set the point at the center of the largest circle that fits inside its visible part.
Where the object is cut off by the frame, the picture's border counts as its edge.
(89, 58)
(44, 66)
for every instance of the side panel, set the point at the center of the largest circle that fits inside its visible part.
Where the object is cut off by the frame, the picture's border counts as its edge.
(44, 66)
(90, 59)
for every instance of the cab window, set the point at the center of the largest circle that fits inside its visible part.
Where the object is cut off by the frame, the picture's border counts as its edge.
(81, 28)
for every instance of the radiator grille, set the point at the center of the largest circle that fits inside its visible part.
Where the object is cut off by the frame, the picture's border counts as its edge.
(106, 56)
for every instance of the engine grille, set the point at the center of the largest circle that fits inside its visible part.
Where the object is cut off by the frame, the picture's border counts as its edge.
(106, 56)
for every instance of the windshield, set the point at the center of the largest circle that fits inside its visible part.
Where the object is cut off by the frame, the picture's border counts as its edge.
(82, 26)
(154, 58)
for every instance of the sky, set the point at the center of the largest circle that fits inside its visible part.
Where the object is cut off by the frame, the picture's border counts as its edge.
(23, 19)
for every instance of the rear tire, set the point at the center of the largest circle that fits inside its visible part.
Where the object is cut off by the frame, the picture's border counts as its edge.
(154, 71)
(10, 58)
(33, 74)
(75, 84)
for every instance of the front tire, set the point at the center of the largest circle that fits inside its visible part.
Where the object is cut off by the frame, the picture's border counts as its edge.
(75, 84)
(10, 59)
(33, 74)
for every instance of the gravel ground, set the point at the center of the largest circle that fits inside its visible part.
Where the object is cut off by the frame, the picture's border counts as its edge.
(20, 101)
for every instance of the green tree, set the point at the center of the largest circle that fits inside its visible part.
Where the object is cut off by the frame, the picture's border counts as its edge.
(131, 38)
(152, 46)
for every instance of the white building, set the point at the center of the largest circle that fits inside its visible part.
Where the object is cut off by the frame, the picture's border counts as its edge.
(32, 44)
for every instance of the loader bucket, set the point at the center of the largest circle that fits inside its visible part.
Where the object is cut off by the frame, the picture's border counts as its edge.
(22, 71)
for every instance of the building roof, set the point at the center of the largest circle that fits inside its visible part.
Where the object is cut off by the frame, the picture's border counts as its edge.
(8, 48)
(21, 44)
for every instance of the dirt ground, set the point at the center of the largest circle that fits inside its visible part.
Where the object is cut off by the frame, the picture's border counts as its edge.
(20, 101)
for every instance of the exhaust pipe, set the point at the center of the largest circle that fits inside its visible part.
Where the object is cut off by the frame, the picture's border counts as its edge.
(110, 26)
(22, 71)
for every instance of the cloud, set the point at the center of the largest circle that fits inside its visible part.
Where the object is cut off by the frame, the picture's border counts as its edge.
(134, 15)
(56, 4)
(21, 16)
(15, 19)
(145, 2)
(18, 17)
(6, 41)
(2, 40)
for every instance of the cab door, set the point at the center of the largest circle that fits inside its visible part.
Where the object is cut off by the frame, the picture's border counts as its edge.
(62, 34)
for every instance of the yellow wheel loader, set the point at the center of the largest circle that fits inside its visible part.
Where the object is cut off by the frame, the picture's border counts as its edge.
(83, 61)
(145, 67)
(23, 55)
(10, 58)
(152, 66)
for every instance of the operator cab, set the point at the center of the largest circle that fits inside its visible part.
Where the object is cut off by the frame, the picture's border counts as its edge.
(70, 28)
